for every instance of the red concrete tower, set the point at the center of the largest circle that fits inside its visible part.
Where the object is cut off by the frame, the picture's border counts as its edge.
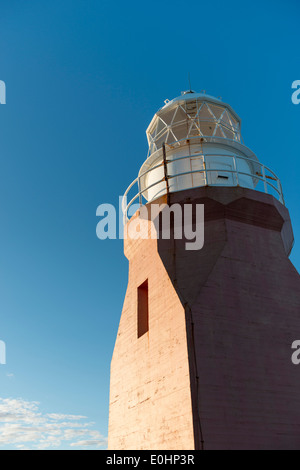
(202, 358)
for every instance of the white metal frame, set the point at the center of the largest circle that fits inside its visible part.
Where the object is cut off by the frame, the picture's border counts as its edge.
(160, 130)
(264, 174)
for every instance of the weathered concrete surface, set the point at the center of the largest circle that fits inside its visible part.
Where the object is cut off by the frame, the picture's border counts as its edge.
(150, 395)
(214, 371)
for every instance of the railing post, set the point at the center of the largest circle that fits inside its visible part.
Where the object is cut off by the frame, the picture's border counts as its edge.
(205, 170)
(139, 189)
(264, 177)
(124, 209)
(235, 169)
(280, 191)
(166, 176)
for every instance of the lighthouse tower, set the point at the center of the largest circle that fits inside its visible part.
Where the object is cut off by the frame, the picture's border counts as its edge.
(202, 358)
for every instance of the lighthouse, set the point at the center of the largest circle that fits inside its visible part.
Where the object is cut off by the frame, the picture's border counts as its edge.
(202, 358)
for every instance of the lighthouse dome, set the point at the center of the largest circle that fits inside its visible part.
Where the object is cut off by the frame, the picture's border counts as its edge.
(199, 136)
(195, 140)
(189, 116)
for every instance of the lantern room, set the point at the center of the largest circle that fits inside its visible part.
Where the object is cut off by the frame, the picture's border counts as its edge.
(195, 140)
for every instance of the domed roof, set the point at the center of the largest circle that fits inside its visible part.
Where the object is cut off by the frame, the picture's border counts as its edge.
(191, 95)
(190, 116)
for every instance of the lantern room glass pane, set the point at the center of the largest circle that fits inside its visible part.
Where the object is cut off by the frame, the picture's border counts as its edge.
(160, 126)
(170, 138)
(167, 116)
(219, 132)
(228, 133)
(161, 139)
(234, 122)
(180, 115)
(194, 130)
(207, 128)
(205, 114)
(181, 131)
(225, 119)
(217, 110)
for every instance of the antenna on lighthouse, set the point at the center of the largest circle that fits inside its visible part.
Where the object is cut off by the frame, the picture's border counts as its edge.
(190, 88)
(189, 81)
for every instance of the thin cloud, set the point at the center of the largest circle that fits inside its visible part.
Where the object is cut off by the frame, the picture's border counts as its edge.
(59, 417)
(22, 425)
(95, 442)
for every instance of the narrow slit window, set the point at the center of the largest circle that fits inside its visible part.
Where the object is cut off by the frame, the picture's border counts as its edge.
(224, 177)
(142, 309)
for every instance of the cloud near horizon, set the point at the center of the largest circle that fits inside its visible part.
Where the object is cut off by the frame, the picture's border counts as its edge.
(23, 426)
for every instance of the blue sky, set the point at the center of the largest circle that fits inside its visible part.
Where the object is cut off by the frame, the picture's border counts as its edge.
(84, 78)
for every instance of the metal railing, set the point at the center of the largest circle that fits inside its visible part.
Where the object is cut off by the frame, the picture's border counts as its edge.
(264, 179)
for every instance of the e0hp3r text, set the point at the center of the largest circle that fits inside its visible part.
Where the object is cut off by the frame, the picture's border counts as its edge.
(161, 459)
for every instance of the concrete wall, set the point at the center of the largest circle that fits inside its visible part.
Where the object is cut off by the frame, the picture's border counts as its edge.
(150, 396)
(214, 371)
(243, 298)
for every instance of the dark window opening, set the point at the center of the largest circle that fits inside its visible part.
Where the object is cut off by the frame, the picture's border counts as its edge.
(142, 309)
(223, 177)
